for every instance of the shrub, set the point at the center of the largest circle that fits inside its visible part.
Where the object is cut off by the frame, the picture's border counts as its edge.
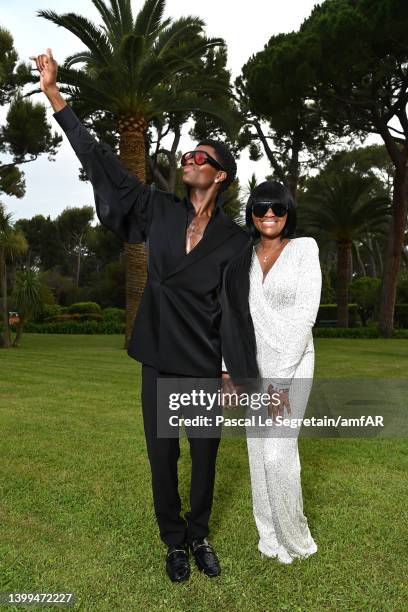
(114, 314)
(400, 333)
(74, 317)
(402, 288)
(84, 308)
(328, 312)
(401, 315)
(370, 331)
(365, 291)
(75, 327)
(345, 332)
(48, 310)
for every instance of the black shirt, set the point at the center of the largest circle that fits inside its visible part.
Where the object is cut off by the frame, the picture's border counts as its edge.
(177, 327)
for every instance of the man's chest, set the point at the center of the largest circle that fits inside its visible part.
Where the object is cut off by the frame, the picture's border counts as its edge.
(195, 232)
(187, 248)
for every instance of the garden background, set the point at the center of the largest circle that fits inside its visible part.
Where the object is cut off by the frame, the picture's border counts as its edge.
(321, 105)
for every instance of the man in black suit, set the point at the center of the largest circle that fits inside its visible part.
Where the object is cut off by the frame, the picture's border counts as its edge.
(176, 332)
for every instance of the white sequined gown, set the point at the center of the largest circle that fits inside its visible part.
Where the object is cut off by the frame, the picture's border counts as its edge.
(283, 309)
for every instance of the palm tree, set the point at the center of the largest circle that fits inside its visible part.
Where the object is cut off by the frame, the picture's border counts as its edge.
(12, 244)
(138, 69)
(27, 298)
(343, 207)
(251, 184)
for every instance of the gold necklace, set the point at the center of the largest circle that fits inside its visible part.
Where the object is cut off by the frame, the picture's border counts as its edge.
(266, 257)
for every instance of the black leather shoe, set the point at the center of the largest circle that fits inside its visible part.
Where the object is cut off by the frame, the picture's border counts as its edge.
(205, 557)
(177, 565)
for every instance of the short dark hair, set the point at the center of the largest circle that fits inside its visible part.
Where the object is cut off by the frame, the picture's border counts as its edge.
(226, 159)
(275, 191)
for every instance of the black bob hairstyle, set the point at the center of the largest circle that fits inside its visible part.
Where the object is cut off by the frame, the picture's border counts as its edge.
(272, 190)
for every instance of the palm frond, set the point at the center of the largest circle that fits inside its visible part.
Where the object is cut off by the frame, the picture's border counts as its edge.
(126, 68)
(188, 103)
(343, 205)
(372, 210)
(126, 15)
(82, 57)
(149, 19)
(92, 37)
(27, 292)
(115, 10)
(195, 49)
(6, 220)
(152, 72)
(131, 52)
(107, 15)
(13, 242)
(181, 60)
(180, 30)
(112, 26)
(77, 82)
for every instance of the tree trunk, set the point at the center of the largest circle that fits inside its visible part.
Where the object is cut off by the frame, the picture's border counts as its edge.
(173, 159)
(294, 166)
(3, 287)
(344, 266)
(379, 256)
(19, 333)
(395, 245)
(78, 266)
(132, 154)
(372, 263)
(359, 260)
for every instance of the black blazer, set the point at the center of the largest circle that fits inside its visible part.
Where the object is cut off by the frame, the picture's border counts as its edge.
(237, 329)
(178, 325)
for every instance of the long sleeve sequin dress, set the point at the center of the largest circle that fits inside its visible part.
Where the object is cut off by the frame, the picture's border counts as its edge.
(283, 307)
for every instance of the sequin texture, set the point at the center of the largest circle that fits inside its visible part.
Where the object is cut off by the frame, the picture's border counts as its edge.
(283, 309)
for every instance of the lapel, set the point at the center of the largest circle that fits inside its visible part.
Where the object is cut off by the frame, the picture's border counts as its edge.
(219, 229)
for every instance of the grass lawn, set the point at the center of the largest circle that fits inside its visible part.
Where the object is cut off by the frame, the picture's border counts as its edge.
(76, 508)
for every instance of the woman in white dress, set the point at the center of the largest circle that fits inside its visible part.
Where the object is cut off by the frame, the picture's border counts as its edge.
(283, 298)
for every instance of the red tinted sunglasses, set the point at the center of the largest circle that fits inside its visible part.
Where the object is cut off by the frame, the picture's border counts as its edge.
(200, 158)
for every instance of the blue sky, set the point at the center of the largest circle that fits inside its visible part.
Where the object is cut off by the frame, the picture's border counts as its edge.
(246, 27)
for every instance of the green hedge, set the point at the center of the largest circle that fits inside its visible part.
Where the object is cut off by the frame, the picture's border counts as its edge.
(114, 314)
(92, 327)
(84, 308)
(401, 315)
(328, 312)
(62, 318)
(75, 327)
(354, 332)
(49, 311)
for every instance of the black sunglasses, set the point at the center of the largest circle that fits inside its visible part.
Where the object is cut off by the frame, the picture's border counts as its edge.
(200, 158)
(260, 208)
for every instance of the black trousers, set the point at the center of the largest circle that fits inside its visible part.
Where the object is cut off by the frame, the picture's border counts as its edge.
(163, 455)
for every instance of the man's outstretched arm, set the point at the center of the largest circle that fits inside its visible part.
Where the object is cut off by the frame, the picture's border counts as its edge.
(124, 204)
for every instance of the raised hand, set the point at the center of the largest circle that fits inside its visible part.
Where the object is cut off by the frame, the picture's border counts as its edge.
(48, 68)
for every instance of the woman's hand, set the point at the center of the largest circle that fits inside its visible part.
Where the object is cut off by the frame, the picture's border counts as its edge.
(228, 386)
(277, 408)
(48, 69)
